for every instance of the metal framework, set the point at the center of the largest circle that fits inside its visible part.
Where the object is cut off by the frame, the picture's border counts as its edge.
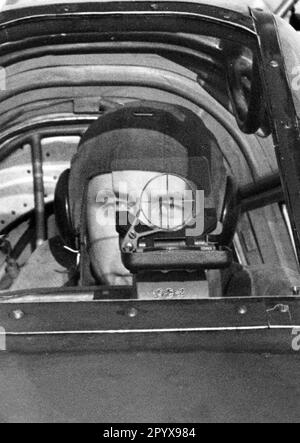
(33, 137)
(283, 116)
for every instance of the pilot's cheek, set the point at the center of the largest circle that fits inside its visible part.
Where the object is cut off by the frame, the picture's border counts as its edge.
(107, 263)
(104, 248)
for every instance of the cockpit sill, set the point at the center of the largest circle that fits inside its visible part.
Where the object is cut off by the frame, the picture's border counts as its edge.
(110, 319)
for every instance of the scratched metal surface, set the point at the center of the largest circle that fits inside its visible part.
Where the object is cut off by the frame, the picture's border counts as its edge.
(150, 387)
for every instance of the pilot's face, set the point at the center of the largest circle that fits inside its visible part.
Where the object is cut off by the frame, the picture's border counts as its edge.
(125, 189)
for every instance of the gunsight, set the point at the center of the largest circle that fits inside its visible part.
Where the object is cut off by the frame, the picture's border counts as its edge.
(168, 244)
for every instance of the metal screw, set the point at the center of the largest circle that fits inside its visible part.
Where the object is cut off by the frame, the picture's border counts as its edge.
(18, 314)
(243, 310)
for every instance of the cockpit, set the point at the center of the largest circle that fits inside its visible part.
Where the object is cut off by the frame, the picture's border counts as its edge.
(219, 223)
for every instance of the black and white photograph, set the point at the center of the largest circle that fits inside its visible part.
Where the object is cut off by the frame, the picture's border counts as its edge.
(149, 214)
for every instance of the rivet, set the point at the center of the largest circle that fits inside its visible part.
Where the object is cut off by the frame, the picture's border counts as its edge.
(243, 310)
(18, 314)
(132, 313)
(274, 64)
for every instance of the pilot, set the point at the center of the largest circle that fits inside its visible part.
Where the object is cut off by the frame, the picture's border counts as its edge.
(119, 155)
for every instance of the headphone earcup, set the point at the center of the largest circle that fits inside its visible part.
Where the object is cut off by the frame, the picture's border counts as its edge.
(62, 211)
